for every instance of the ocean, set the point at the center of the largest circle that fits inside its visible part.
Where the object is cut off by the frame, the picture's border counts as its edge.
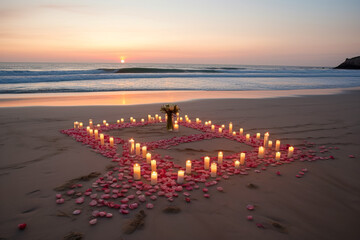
(97, 77)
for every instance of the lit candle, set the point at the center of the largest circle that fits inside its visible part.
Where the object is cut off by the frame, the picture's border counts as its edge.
(107, 124)
(143, 151)
(181, 119)
(223, 126)
(241, 131)
(261, 152)
(234, 133)
(180, 178)
(248, 137)
(102, 138)
(91, 132)
(277, 156)
(220, 157)
(220, 130)
(118, 121)
(111, 140)
(98, 125)
(88, 130)
(270, 144)
(131, 119)
(156, 117)
(76, 124)
(277, 145)
(213, 128)
(258, 136)
(230, 127)
(80, 125)
(188, 167)
(177, 116)
(159, 118)
(96, 133)
(132, 147)
(291, 152)
(91, 123)
(237, 164)
(137, 172)
(206, 162)
(153, 165)
(213, 169)
(104, 122)
(149, 119)
(137, 146)
(122, 120)
(189, 121)
(153, 178)
(142, 120)
(197, 120)
(148, 157)
(242, 158)
(176, 127)
(209, 122)
(134, 120)
(266, 139)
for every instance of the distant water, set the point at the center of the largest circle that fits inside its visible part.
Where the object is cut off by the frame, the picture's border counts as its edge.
(95, 77)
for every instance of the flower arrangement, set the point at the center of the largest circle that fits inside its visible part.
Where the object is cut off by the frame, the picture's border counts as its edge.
(170, 110)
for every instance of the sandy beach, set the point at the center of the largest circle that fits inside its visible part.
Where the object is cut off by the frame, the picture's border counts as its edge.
(323, 204)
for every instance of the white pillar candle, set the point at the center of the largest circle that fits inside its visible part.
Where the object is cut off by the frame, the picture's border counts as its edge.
(241, 131)
(137, 172)
(96, 133)
(277, 145)
(189, 121)
(258, 136)
(98, 125)
(213, 170)
(148, 157)
(152, 119)
(206, 123)
(111, 141)
(153, 178)
(177, 116)
(213, 128)
(134, 120)
(181, 119)
(220, 157)
(209, 122)
(153, 165)
(132, 147)
(118, 121)
(269, 144)
(206, 163)
(156, 117)
(122, 120)
(107, 124)
(223, 126)
(248, 137)
(234, 133)
(142, 120)
(261, 152)
(277, 156)
(131, 119)
(291, 152)
(102, 139)
(160, 118)
(180, 179)
(104, 122)
(91, 132)
(220, 130)
(176, 127)
(188, 167)
(143, 151)
(88, 130)
(149, 117)
(137, 149)
(242, 158)
(266, 139)
(91, 123)
(237, 164)
(80, 125)
(230, 127)
(197, 120)
(76, 124)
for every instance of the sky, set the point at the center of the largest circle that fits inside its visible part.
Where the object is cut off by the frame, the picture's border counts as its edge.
(252, 32)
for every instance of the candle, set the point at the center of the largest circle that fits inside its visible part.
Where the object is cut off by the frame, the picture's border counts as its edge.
(149, 119)
(248, 137)
(206, 162)
(98, 125)
(230, 127)
(291, 152)
(142, 120)
(102, 139)
(220, 157)
(156, 117)
(181, 119)
(277, 145)
(213, 128)
(131, 119)
(107, 124)
(137, 147)
(258, 136)
(209, 122)
(197, 120)
(153, 178)
(96, 133)
(143, 151)
(176, 127)
(88, 130)
(122, 120)
(104, 122)
(261, 152)
(117, 121)
(134, 120)
(80, 125)
(148, 157)
(241, 131)
(111, 140)
(213, 169)
(242, 158)
(266, 139)
(234, 133)
(237, 164)
(180, 179)
(223, 126)
(269, 144)
(76, 124)
(132, 147)
(159, 118)
(277, 156)
(188, 167)
(91, 132)
(153, 165)
(137, 172)
(220, 130)
(91, 123)
(177, 116)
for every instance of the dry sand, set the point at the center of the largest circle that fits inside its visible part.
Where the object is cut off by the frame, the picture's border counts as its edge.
(324, 204)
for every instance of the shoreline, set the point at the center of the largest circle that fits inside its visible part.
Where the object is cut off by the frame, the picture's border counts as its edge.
(150, 97)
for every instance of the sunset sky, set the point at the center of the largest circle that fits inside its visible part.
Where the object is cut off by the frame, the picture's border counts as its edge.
(269, 32)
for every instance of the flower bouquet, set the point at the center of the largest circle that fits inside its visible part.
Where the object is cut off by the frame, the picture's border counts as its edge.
(170, 110)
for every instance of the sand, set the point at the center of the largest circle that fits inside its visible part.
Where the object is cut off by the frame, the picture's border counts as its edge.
(324, 204)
